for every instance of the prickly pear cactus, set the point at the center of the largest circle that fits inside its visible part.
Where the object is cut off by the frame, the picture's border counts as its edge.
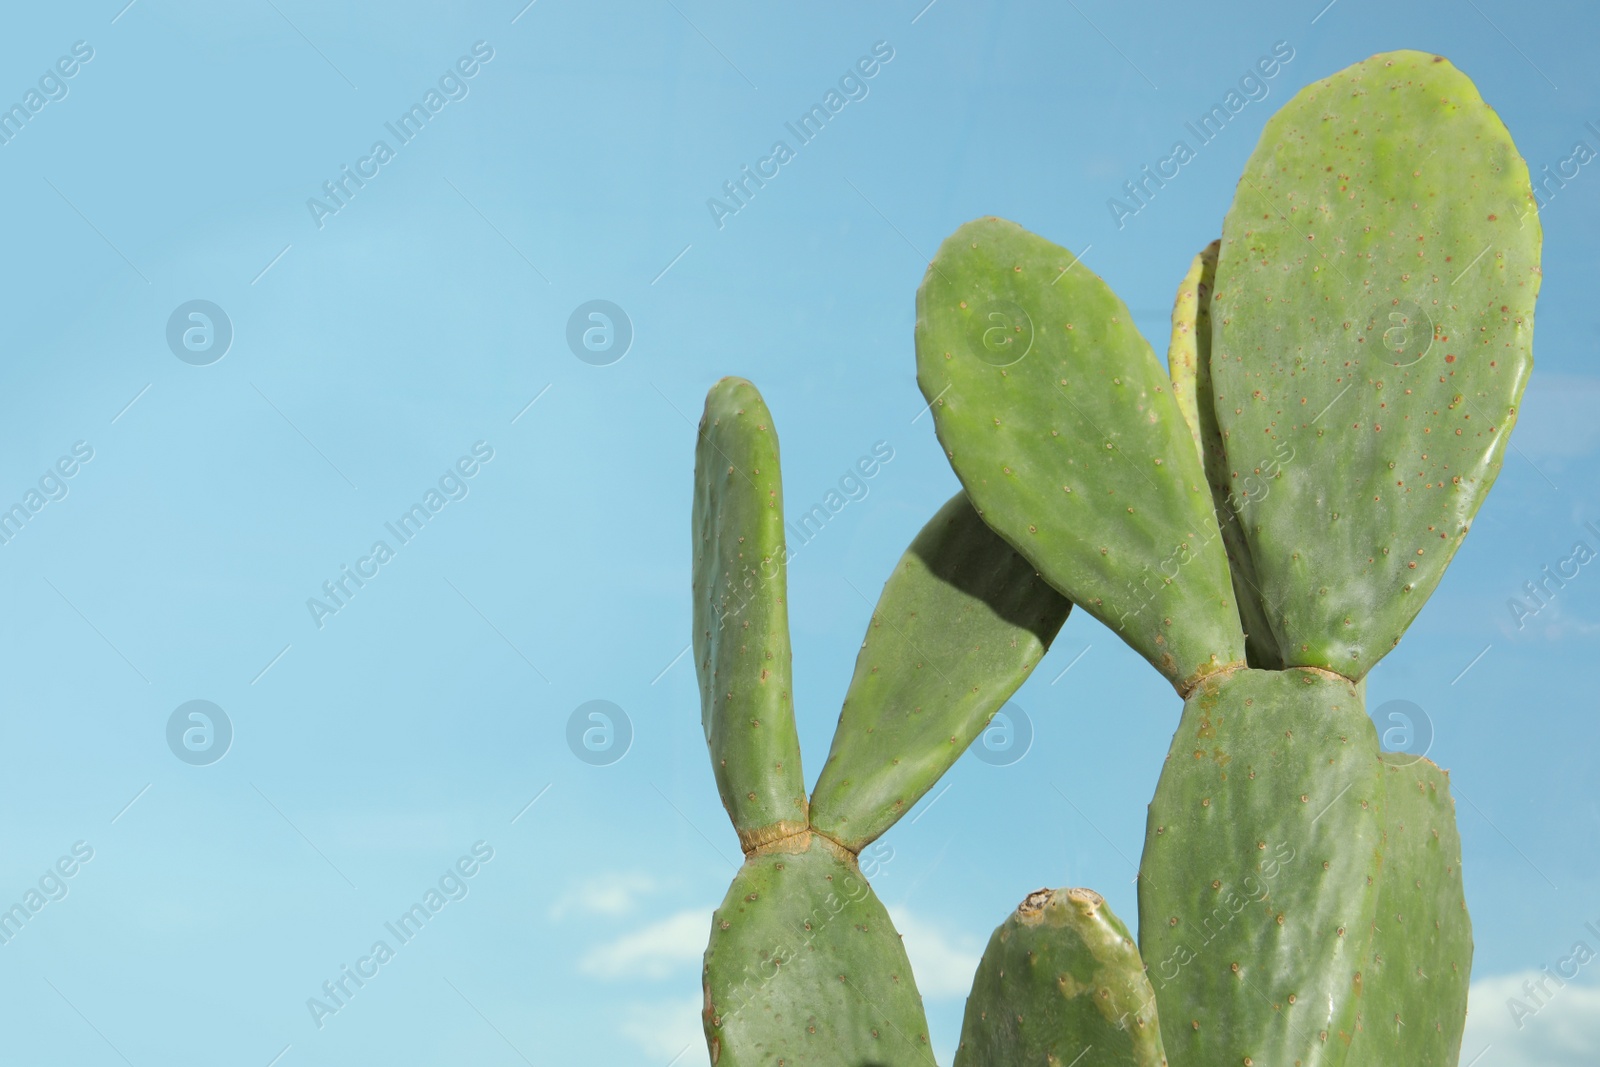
(1416, 976)
(1261, 522)
(960, 625)
(1373, 313)
(1189, 363)
(805, 968)
(1258, 888)
(804, 965)
(1344, 372)
(1065, 432)
(1061, 983)
(741, 616)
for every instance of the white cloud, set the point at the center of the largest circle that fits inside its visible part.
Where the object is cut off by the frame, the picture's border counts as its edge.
(665, 1029)
(656, 951)
(1563, 1032)
(613, 895)
(943, 963)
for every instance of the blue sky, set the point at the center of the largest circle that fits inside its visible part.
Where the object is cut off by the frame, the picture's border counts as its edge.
(375, 347)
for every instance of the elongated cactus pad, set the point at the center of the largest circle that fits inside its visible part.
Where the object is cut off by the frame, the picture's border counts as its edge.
(1415, 1002)
(1191, 332)
(1189, 363)
(1258, 885)
(1064, 431)
(1061, 983)
(960, 625)
(805, 969)
(741, 616)
(1373, 313)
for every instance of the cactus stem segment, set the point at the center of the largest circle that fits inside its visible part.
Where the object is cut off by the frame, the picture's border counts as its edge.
(1231, 669)
(761, 837)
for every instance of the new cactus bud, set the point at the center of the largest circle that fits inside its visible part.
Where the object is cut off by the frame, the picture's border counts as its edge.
(1061, 983)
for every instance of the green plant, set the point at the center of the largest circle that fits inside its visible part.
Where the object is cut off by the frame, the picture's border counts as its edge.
(804, 966)
(1261, 522)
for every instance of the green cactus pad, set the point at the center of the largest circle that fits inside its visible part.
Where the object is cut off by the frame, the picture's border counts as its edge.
(741, 616)
(1062, 427)
(1257, 889)
(805, 968)
(1189, 363)
(960, 625)
(1373, 313)
(1416, 978)
(1191, 330)
(1061, 983)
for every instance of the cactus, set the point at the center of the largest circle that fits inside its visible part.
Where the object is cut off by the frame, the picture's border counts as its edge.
(1422, 942)
(1189, 363)
(960, 625)
(1261, 522)
(1291, 909)
(1258, 886)
(1061, 983)
(804, 965)
(1374, 310)
(741, 617)
(1071, 445)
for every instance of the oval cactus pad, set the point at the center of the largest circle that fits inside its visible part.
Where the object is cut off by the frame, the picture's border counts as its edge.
(805, 969)
(1258, 885)
(1063, 428)
(961, 623)
(1372, 330)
